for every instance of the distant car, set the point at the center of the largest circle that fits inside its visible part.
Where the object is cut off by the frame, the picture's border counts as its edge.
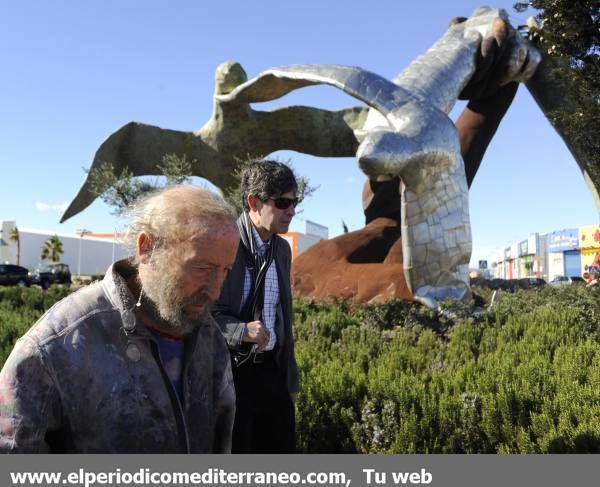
(478, 281)
(566, 280)
(499, 283)
(529, 282)
(47, 274)
(537, 281)
(11, 275)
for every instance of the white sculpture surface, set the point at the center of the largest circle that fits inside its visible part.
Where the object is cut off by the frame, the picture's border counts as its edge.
(408, 134)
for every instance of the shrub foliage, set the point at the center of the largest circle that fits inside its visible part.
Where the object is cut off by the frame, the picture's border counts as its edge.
(520, 377)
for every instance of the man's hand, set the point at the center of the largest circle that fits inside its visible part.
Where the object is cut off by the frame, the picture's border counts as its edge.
(256, 332)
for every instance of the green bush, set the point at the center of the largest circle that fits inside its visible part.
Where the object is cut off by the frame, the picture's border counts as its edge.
(20, 308)
(521, 377)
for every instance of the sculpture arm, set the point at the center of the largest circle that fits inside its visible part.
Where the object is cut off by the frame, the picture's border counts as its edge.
(140, 148)
(477, 125)
(236, 128)
(312, 131)
(370, 88)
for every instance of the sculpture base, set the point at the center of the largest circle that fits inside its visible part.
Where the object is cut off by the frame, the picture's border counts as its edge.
(364, 266)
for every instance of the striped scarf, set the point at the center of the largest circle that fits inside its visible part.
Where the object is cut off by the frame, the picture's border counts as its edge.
(259, 264)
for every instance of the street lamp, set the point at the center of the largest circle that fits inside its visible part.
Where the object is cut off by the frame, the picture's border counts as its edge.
(81, 232)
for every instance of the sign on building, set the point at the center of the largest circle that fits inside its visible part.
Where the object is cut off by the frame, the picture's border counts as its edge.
(320, 231)
(589, 241)
(562, 240)
(523, 248)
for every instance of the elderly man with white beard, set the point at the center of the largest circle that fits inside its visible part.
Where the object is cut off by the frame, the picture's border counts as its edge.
(134, 363)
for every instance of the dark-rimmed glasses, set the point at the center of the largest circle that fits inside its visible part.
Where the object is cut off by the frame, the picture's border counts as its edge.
(283, 203)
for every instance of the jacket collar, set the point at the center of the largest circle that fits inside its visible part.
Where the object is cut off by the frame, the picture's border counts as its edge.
(117, 291)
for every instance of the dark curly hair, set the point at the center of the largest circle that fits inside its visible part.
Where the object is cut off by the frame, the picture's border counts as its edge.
(266, 178)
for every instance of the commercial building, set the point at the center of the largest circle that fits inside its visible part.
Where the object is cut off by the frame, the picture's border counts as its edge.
(567, 252)
(589, 245)
(85, 254)
(300, 242)
(90, 253)
(532, 256)
(563, 253)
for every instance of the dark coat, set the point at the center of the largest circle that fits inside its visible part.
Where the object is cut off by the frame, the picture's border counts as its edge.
(227, 310)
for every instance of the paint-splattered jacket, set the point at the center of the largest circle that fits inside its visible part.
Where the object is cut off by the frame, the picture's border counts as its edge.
(88, 378)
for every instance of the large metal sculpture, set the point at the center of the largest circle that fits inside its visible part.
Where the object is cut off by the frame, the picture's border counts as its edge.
(405, 132)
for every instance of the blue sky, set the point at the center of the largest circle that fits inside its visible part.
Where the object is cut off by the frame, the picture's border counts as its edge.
(74, 72)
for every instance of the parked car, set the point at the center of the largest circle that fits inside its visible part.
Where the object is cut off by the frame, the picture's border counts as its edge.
(11, 275)
(529, 282)
(566, 280)
(47, 274)
(504, 284)
(537, 281)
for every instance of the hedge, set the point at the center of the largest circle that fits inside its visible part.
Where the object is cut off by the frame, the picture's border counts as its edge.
(520, 377)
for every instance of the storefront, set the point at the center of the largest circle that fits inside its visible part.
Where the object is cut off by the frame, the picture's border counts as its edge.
(529, 261)
(525, 260)
(514, 252)
(563, 253)
(573, 263)
(589, 242)
(540, 261)
(508, 266)
(556, 265)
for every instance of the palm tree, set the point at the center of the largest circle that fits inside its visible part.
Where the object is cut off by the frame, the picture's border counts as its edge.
(15, 237)
(52, 249)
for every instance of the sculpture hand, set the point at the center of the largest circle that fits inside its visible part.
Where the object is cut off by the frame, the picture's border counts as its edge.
(503, 57)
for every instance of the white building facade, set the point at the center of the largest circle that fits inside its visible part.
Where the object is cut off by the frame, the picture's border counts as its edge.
(85, 255)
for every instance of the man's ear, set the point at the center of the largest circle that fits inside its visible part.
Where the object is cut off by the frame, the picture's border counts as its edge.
(144, 247)
(254, 202)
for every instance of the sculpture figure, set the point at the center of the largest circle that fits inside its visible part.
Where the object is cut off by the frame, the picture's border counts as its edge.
(408, 134)
(405, 132)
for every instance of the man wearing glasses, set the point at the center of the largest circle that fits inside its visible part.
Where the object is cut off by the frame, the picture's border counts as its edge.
(254, 312)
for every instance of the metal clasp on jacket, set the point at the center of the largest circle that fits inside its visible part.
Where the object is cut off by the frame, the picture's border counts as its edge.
(132, 350)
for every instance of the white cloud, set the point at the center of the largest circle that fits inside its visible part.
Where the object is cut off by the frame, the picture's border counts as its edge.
(46, 208)
(350, 179)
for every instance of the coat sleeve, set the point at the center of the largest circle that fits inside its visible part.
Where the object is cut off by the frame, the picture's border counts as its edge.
(224, 411)
(30, 409)
(225, 310)
(293, 376)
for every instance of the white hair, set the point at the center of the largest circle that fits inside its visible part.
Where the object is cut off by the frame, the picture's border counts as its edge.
(166, 214)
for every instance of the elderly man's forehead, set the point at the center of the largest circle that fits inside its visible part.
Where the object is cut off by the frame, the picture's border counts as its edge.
(202, 228)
